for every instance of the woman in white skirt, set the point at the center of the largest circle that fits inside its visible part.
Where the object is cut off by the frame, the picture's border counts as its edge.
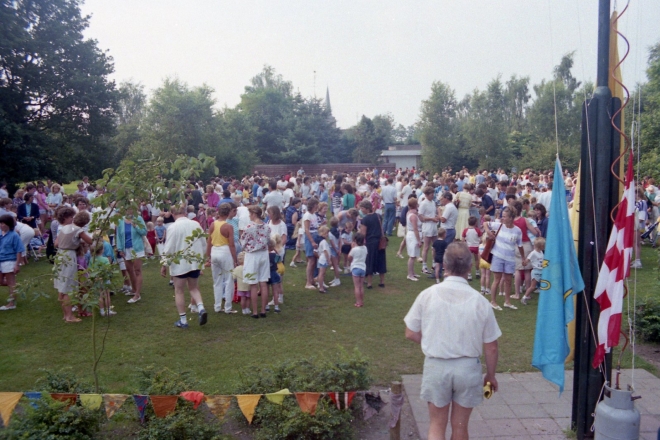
(413, 240)
(256, 267)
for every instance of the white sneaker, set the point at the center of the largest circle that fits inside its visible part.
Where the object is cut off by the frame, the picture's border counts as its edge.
(325, 286)
(347, 270)
(293, 264)
(411, 278)
(335, 282)
(280, 299)
(193, 308)
(4, 308)
(637, 264)
(470, 277)
(272, 302)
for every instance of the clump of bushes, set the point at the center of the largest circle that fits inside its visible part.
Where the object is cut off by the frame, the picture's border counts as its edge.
(345, 372)
(647, 319)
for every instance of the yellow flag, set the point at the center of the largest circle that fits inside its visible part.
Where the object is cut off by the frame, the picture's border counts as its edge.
(617, 90)
(574, 219)
(218, 405)
(113, 402)
(91, 401)
(248, 403)
(278, 397)
(8, 402)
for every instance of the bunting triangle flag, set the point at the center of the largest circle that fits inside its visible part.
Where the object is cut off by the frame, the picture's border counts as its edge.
(91, 401)
(218, 405)
(33, 397)
(196, 397)
(308, 402)
(164, 405)
(68, 398)
(278, 397)
(113, 402)
(141, 404)
(342, 400)
(8, 402)
(248, 403)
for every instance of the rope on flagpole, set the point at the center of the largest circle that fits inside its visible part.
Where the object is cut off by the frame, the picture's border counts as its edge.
(593, 191)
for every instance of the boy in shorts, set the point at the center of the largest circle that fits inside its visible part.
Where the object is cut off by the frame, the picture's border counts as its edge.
(439, 247)
(536, 260)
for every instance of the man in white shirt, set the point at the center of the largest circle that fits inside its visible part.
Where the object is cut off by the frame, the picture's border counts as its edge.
(428, 214)
(406, 190)
(388, 194)
(454, 325)
(274, 197)
(187, 270)
(449, 216)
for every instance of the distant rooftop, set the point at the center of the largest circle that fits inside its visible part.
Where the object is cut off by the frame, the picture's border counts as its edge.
(405, 148)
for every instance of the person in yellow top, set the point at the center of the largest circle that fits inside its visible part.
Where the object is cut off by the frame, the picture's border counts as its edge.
(221, 256)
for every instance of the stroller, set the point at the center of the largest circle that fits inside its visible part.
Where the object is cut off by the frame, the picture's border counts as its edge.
(649, 230)
(38, 244)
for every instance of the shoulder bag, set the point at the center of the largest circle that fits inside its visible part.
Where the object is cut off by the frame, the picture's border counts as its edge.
(486, 254)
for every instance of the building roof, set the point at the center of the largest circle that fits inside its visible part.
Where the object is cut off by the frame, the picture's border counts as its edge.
(409, 153)
(413, 147)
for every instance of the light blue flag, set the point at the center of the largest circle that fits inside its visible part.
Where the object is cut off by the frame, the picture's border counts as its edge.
(560, 280)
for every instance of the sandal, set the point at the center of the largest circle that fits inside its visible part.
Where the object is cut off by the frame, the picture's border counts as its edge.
(381, 285)
(70, 321)
(370, 287)
(495, 306)
(323, 291)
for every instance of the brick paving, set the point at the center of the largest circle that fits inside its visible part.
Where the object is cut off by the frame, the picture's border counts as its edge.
(529, 407)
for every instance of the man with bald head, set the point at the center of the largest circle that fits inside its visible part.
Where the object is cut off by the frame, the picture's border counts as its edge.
(453, 323)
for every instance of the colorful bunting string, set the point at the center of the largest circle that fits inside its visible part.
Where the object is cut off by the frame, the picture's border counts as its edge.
(308, 402)
(33, 397)
(164, 405)
(91, 401)
(8, 402)
(68, 398)
(195, 397)
(113, 402)
(141, 404)
(218, 405)
(248, 403)
(342, 400)
(278, 397)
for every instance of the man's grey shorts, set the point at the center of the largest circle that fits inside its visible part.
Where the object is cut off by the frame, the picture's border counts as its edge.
(459, 380)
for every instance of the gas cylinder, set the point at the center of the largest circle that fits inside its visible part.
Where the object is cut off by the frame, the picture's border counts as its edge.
(616, 416)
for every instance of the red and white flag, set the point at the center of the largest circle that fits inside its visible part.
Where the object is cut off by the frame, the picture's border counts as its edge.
(615, 269)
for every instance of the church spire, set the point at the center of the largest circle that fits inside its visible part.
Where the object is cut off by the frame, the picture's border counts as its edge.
(327, 100)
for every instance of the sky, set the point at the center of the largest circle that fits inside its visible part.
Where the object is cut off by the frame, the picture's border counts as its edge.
(375, 57)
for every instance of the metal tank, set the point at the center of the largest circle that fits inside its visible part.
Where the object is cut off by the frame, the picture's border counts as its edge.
(616, 416)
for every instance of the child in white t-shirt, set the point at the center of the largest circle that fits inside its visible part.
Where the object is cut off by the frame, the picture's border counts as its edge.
(323, 257)
(358, 258)
(472, 237)
(346, 240)
(536, 260)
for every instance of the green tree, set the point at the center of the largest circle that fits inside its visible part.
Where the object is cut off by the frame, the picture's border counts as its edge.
(56, 101)
(650, 116)
(484, 128)
(365, 138)
(131, 109)
(437, 127)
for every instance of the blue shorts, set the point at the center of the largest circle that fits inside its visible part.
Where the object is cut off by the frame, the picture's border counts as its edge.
(309, 247)
(357, 272)
(499, 265)
(324, 266)
(274, 278)
(332, 252)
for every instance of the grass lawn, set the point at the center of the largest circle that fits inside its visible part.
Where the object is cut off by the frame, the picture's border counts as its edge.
(34, 336)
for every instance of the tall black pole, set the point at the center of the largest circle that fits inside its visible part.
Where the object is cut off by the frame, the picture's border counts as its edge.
(599, 193)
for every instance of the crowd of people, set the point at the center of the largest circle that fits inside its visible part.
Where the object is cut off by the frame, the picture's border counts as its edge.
(335, 224)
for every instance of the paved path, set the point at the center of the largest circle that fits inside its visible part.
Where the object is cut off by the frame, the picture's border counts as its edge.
(528, 407)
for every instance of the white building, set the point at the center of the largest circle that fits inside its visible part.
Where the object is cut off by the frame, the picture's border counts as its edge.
(403, 156)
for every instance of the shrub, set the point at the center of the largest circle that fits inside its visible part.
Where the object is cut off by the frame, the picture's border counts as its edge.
(62, 381)
(185, 422)
(647, 317)
(274, 422)
(50, 420)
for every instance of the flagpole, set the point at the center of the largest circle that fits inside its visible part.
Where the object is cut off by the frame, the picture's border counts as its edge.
(599, 196)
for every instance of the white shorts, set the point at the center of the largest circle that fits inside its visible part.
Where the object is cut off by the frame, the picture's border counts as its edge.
(256, 267)
(7, 266)
(452, 380)
(130, 255)
(122, 263)
(412, 245)
(429, 229)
